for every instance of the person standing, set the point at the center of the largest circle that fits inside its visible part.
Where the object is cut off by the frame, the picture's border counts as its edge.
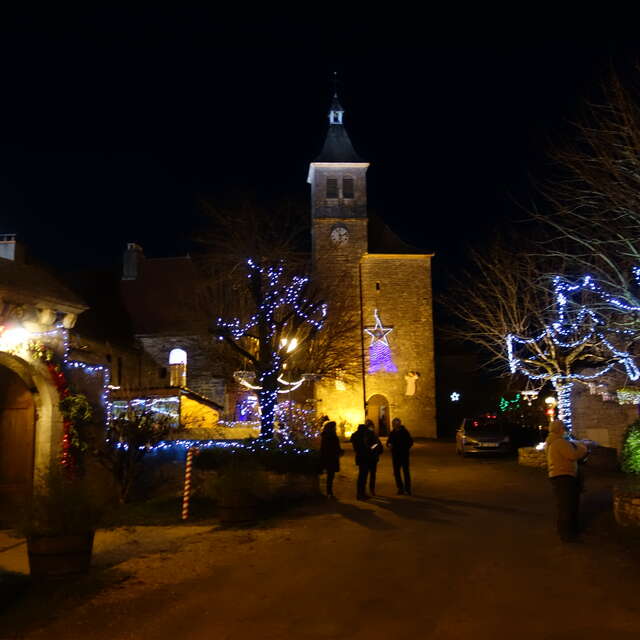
(376, 451)
(330, 453)
(562, 466)
(363, 442)
(400, 441)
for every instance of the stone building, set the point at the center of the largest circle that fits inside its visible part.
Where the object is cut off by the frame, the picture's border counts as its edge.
(162, 299)
(80, 326)
(383, 284)
(598, 414)
(386, 285)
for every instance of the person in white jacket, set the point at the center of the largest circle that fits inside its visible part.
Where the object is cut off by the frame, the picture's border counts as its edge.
(562, 465)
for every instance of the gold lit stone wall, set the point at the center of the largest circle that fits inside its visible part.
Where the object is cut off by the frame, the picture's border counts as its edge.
(399, 286)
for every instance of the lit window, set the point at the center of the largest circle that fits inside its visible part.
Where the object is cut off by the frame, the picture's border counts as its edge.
(347, 187)
(332, 187)
(178, 368)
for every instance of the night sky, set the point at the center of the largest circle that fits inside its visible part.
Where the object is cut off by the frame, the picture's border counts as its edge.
(116, 125)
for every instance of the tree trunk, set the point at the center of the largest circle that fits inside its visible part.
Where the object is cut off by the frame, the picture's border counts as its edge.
(563, 390)
(267, 398)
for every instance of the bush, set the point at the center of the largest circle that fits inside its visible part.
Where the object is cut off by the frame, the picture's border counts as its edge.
(630, 459)
(128, 439)
(237, 480)
(267, 456)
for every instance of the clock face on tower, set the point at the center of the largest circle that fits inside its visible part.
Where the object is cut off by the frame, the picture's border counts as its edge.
(339, 236)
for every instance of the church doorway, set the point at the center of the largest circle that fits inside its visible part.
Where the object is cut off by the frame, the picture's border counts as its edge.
(17, 436)
(378, 413)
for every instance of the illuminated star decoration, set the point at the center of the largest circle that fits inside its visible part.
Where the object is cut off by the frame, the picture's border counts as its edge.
(379, 350)
(455, 396)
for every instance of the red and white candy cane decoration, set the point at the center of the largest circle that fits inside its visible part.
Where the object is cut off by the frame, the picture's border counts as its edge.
(186, 495)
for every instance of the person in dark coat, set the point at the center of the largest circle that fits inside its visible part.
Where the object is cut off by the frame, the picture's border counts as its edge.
(330, 452)
(376, 451)
(363, 441)
(400, 441)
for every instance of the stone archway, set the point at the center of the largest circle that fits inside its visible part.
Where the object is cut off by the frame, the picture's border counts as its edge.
(17, 434)
(378, 413)
(30, 425)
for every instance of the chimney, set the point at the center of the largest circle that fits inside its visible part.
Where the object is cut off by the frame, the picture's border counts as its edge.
(10, 249)
(133, 256)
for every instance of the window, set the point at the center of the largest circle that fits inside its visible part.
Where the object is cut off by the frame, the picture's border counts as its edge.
(377, 286)
(332, 187)
(178, 368)
(347, 187)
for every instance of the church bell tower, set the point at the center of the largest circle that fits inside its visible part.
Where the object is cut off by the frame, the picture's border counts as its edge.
(338, 200)
(338, 243)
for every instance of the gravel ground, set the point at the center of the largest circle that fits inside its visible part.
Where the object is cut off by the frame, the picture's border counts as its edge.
(471, 555)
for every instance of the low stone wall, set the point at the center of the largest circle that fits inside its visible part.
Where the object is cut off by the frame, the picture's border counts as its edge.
(626, 506)
(532, 457)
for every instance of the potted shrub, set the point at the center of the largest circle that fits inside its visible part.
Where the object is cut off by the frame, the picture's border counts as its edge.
(59, 524)
(238, 488)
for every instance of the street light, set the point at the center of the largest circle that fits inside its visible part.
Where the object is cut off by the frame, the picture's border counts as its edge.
(551, 403)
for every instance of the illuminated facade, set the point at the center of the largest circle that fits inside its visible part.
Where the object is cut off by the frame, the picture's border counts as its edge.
(384, 283)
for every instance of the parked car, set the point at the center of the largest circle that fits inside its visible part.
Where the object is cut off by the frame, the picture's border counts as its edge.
(483, 435)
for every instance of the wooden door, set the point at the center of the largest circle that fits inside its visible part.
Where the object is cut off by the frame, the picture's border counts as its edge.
(17, 431)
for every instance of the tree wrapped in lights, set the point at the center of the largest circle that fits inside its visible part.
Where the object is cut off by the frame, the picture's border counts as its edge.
(577, 338)
(282, 321)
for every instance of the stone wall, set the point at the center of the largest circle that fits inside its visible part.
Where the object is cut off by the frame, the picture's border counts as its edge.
(201, 368)
(399, 287)
(532, 457)
(602, 421)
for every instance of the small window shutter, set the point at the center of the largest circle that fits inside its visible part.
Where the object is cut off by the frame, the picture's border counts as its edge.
(347, 187)
(332, 187)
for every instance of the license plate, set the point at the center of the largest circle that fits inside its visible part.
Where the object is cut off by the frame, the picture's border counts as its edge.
(488, 444)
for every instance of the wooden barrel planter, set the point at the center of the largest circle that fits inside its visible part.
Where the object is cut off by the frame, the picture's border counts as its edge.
(53, 557)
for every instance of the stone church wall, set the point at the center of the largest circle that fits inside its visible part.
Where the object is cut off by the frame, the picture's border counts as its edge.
(400, 288)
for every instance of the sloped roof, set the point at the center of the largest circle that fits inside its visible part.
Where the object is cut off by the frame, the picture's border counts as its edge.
(32, 284)
(382, 239)
(337, 146)
(163, 299)
(163, 392)
(107, 317)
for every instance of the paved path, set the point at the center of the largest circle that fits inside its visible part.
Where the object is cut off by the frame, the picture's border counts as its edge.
(471, 555)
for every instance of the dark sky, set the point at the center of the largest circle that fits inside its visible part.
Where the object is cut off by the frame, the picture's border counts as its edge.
(115, 124)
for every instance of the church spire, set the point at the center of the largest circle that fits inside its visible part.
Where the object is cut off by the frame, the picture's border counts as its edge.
(337, 145)
(336, 111)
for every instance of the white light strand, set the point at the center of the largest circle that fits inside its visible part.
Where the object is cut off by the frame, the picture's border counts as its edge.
(565, 333)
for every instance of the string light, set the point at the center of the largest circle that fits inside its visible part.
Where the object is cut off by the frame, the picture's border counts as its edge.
(577, 330)
(380, 357)
(280, 299)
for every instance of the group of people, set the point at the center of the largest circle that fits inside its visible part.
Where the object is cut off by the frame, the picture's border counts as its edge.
(368, 449)
(563, 464)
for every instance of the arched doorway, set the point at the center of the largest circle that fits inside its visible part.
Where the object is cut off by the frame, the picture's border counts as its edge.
(378, 413)
(17, 436)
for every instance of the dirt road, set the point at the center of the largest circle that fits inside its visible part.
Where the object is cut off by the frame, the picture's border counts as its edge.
(472, 554)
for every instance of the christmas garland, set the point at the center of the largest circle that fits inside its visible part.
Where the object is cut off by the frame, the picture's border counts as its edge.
(75, 408)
